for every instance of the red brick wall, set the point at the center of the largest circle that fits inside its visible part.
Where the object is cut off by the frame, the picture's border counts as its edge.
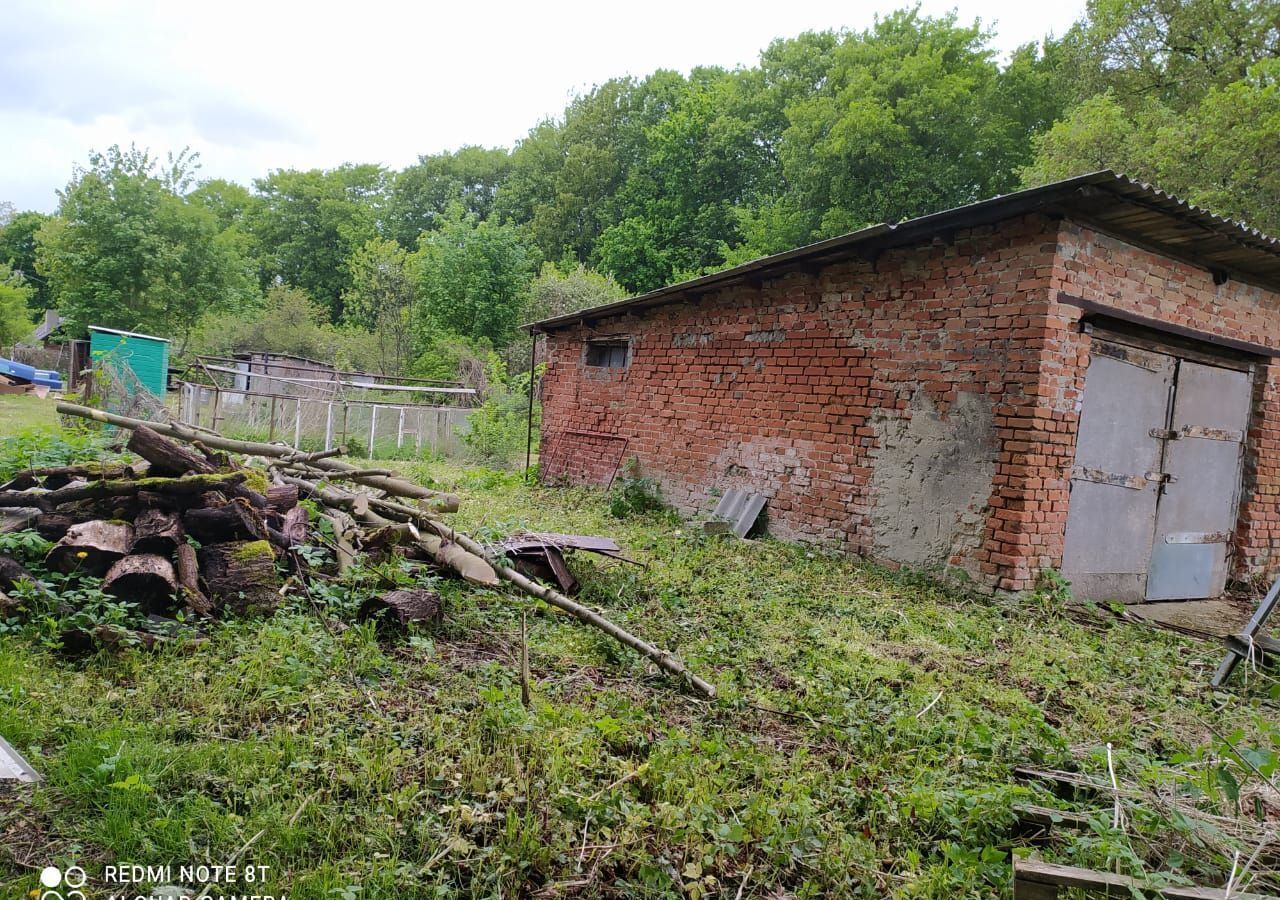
(1099, 268)
(784, 387)
(799, 386)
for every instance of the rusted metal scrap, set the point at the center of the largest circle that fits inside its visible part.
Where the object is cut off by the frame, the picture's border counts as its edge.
(540, 554)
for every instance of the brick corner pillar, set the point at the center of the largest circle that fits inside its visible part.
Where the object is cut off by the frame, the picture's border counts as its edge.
(1036, 428)
(1257, 537)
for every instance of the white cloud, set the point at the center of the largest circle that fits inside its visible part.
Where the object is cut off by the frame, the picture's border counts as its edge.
(260, 85)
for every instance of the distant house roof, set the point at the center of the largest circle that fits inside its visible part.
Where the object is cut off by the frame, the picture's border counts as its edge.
(148, 337)
(48, 325)
(1117, 204)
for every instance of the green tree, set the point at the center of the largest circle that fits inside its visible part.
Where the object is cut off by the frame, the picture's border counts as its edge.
(565, 175)
(286, 321)
(15, 323)
(708, 156)
(911, 118)
(1180, 93)
(127, 251)
(421, 194)
(382, 301)
(1223, 153)
(18, 253)
(556, 292)
(1170, 51)
(309, 223)
(473, 278)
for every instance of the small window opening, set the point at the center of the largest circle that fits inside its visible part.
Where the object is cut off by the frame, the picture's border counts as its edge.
(608, 354)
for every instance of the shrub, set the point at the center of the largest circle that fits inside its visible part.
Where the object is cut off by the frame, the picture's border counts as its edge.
(633, 494)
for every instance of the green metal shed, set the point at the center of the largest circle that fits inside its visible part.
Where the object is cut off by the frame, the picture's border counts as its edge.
(145, 354)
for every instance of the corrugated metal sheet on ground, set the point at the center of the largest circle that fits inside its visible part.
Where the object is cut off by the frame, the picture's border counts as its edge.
(741, 509)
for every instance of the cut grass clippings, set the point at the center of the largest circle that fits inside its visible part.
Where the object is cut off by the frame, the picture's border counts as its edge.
(863, 745)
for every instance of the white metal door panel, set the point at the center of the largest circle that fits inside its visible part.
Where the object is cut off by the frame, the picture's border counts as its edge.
(1203, 457)
(1112, 512)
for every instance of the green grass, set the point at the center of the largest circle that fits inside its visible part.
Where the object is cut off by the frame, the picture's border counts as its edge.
(23, 411)
(863, 744)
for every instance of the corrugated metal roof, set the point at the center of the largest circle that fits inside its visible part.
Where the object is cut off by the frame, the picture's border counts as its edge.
(1117, 204)
(149, 337)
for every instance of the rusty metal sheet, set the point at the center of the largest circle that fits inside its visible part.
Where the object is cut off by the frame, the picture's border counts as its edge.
(1197, 537)
(1212, 434)
(1210, 403)
(1143, 359)
(1097, 476)
(1111, 522)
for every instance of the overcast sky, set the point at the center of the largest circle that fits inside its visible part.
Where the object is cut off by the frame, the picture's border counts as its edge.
(255, 86)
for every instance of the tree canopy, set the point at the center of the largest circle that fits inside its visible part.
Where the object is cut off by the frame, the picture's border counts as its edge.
(126, 250)
(645, 180)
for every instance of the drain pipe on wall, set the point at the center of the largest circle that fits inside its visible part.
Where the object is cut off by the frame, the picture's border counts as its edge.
(528, 441)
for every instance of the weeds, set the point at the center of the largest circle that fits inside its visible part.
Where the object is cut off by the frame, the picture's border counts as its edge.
(633, 494)
(863, 747)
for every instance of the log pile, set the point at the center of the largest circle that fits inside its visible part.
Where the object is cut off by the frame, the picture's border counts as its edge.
(207, 526)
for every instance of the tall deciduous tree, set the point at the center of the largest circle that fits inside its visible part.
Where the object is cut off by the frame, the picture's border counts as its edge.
(421, 194)
(127, 251)
(382, 300)
(15, 324)
(1181, 93)
(18, 253)
(473, 278)
(309, 223)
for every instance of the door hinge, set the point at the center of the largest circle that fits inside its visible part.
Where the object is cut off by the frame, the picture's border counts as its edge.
(1164, 434)
(1160, 477)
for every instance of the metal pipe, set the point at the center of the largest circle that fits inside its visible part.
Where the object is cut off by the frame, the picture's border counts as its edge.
(528, 441)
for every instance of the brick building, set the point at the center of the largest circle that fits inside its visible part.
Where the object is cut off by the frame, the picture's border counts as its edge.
(1080, 376)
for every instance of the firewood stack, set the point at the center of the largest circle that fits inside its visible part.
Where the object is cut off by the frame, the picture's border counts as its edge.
(191, 529)
(180, 531)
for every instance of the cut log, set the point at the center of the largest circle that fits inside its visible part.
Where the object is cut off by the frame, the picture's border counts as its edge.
(143, 579)
(282, 497)
(294, 528)
(11, 572)
(157, 531)
(100, 490)
(167, 457)
(399, 608)
(241, 575)
(233, 521)
(437, 501)
(9, 606)
(53, 526)
(23, 481)
(91, 547)
(188, 571)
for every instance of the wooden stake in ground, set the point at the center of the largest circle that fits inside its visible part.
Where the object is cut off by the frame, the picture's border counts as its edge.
(524, 659)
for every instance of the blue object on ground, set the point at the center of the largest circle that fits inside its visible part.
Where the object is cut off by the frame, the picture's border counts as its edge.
(22, 372)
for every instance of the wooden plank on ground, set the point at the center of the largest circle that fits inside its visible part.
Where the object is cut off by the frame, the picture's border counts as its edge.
(1036, 880)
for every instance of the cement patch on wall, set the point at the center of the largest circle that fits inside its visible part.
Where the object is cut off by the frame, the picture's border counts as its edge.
(931, 481)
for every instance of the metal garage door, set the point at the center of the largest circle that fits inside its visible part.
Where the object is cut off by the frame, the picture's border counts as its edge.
(1156, 480)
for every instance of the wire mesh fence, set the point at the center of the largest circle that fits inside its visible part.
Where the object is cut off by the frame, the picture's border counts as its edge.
(376, 429)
